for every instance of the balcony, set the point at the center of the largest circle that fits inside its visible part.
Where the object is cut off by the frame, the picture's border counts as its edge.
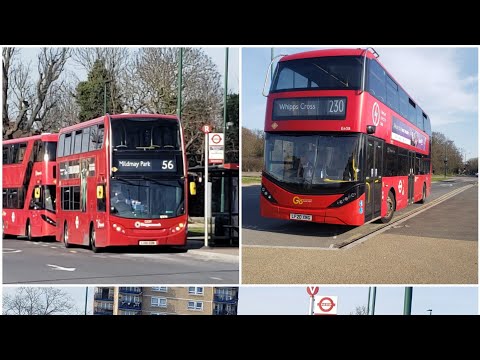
(125, 305)
(100, 296)
(226, 299)
(102, 312)
(126, 290)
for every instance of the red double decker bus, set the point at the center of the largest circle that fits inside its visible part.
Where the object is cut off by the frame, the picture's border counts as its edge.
(122, 181)
(344, 143)
(29, 186)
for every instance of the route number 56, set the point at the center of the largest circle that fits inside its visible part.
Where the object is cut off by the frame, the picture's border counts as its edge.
(167, 164)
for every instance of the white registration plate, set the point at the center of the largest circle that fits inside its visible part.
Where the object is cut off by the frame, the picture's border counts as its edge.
(301, 217)
(147, 242)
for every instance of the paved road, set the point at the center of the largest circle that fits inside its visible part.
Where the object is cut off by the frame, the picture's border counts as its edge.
(436, 246)
(49, 262)
(262, 231)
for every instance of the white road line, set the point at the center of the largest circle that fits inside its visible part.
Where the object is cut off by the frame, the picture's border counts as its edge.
(56, 267)
(215, 278)
(11, 251)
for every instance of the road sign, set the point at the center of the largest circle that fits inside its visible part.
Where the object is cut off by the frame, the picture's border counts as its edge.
(215, 148)
(325, 305)
(312, 290)
(206, 129)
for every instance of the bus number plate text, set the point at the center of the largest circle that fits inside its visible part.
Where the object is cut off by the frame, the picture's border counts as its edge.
(301, 217)
(147, 242)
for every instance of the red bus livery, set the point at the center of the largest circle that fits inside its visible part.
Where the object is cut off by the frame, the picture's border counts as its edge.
(344, 143)
(122, 181)
(28, 186)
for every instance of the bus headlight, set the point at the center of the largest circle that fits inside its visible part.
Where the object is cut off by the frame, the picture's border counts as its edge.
(349, 196)
(266, 194)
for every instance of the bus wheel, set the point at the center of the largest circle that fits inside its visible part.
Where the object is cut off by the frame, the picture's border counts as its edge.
(390, 208)
(65, 236)
(93, 239)
(424, 195)
(28, 230)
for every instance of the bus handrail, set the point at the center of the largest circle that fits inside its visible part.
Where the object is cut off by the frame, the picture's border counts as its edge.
(268, 72)
(377, 55)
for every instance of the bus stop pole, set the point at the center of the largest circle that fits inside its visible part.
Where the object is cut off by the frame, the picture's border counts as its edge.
(205, 184)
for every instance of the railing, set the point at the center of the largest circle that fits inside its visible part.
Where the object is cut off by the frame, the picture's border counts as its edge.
(102, 312)
(229, 299)
(130, 291)
(125, 305)
(100, 296)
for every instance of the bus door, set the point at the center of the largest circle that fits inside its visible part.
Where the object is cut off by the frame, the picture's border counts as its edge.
(373, 178)
(411, 176)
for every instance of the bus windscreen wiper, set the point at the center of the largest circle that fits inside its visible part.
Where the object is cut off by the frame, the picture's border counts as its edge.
(331, 75)
(160, 182)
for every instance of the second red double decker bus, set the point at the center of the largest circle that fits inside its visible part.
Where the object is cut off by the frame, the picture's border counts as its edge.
(344, 143)
(122, 181)
(28, 186)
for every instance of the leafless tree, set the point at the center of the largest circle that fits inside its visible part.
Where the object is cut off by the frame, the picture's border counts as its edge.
(252, 150)
(8, 54)
(150, 85)
(32, 101)
(38, 301)
(360, 310)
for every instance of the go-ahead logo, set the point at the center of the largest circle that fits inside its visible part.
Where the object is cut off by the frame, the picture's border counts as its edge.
(297, 200)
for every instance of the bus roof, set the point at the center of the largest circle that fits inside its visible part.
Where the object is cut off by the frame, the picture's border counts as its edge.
(113, 117)
(42, 137)
(328, 52)
(343, 52)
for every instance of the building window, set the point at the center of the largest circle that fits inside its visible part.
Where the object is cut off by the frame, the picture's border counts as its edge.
(158, 302)
(160, 288)
(195, 290)
(195, 305)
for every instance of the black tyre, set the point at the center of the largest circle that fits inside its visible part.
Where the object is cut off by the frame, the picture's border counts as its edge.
(424, 195)
(93, 239)
(28, 230)
(65, 236)
(390, 208)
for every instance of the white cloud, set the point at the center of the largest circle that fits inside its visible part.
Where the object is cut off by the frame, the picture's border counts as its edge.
(433, 78)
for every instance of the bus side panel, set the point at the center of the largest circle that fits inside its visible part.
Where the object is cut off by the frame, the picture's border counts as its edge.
(399, 186)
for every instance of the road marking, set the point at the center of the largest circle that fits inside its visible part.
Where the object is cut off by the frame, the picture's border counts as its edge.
(216, 278)
(363, 238)
(11, 251)
(56, 267)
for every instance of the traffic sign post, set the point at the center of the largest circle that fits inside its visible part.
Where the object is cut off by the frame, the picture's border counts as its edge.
(312, 291)
(206, 130)
(325, 305)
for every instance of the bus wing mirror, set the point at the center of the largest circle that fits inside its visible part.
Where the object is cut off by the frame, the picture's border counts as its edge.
(371, 129)
(99, 191)
(193, 188)
(36, 193)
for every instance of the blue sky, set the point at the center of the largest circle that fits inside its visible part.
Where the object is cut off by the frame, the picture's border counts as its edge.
(294, 300)
(444, 82)
(29, 54)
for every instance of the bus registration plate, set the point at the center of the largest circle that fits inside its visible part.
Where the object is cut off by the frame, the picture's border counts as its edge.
(301, 217)
(147, 242)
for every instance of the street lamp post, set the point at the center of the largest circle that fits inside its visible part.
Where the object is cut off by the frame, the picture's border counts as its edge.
(105, 95)
(446, 159)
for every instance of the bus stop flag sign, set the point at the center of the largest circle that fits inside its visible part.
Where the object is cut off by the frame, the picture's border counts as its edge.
(216, 142)
(325, 305)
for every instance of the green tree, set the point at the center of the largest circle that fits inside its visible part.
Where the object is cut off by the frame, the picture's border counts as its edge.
(231, 136)
(91, 93)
